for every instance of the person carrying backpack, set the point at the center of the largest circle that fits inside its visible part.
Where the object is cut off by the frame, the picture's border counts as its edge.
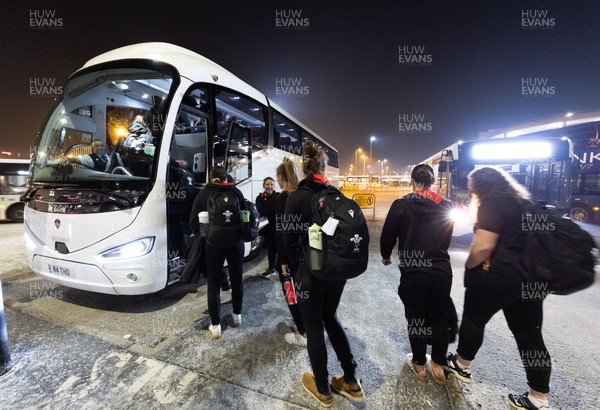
(224, 240)
(493, 283)
(288, 181)
(420, 224)
(318, 298)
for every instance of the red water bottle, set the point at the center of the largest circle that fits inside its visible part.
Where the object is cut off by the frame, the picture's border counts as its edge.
(290, 291)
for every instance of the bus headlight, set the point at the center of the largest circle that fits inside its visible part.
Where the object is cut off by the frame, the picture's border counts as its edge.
(133, 249)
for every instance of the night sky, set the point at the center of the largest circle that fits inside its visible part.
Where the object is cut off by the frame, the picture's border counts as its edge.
(474, 57)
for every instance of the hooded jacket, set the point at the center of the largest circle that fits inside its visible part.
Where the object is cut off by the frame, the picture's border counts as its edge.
(421, 225)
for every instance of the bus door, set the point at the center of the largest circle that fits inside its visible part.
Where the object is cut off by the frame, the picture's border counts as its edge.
(186, 171)
(548, 184)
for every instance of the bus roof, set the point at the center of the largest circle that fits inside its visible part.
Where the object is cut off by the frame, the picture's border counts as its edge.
(193, 66)
(544, 124)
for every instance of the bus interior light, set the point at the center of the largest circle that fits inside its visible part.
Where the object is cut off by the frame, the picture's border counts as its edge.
(514, 150)
(133, 249)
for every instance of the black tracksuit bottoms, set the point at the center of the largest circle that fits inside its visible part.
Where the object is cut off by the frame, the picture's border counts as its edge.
(486, 294)
(319, 300)
(425, 298)
(215, 257)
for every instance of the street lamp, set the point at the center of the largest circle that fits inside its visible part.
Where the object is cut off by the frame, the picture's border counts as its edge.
(385, 160)
(356, 157)
(371, 150)
(351, 168)
(364, 164)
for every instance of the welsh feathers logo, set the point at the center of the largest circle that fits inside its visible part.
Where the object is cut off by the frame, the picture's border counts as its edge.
(356, 240)
(227, 214)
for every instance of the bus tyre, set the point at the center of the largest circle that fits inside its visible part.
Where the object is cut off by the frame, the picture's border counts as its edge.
(581, 214)
(15, 213)
(255, 247)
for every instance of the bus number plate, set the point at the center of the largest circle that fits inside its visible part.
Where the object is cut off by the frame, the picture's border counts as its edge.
(59, 270)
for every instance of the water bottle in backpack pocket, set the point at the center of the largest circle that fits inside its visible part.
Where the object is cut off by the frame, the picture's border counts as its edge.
(315, 248)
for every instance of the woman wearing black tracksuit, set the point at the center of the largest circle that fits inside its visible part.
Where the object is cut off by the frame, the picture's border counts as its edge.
(217, 253)
(318, 298)
(420, 223)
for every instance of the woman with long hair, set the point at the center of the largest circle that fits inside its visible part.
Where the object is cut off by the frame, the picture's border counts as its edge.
(493, 283)
(288, 181)
(318, 299)
(420, 224)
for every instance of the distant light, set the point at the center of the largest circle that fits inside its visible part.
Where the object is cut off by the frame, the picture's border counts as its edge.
(569, 114)
(235, 97)
(145, 96)
(372, 139)
(121, 131)
(460, 142)
(513, 150)
(255, 109)
(564, 138)
(6, 153)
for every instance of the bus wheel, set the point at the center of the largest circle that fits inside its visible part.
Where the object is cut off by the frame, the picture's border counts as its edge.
(581, 214)
(255, 247)
(15, 213)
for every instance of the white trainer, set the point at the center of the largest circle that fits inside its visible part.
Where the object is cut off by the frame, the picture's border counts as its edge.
(215, 331)
(296, 339)
(237, 320)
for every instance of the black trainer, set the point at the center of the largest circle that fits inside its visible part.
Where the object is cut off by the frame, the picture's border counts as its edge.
(522, 401)
(464, 375)
(268, 273)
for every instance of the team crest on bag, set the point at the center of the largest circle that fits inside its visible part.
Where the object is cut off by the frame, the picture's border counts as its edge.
(357, 238)
(224, 218)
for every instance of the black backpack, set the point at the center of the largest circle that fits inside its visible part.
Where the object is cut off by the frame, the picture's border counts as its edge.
(558, 255)
(250, 228)
(224, 219)
(346, 253)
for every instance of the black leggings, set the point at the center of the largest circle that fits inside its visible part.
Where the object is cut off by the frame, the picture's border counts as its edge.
(294, 309)
(488, 293)
(319, 301)
(425, 297)
(215, 257)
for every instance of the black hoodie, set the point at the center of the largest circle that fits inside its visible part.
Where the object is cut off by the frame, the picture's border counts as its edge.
(421, 224)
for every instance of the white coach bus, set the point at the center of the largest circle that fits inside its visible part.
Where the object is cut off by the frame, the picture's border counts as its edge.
(120, 228)
(13, 183)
